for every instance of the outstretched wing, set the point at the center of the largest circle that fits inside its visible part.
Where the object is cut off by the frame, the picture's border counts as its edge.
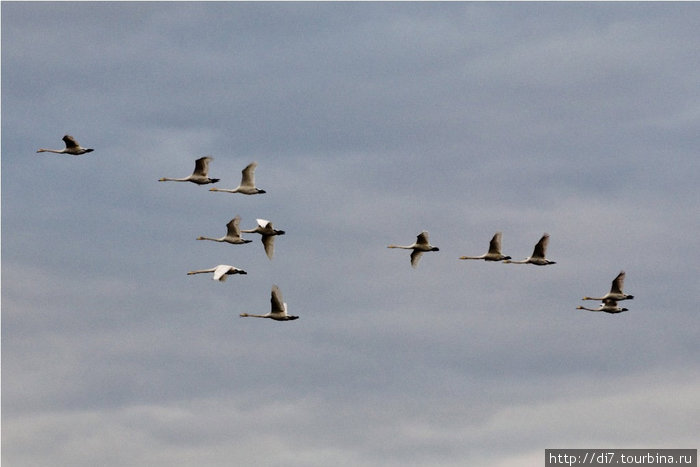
(71, 143)
(415, 257)
(268, 242)
(201, 166)
(233, 229)
(220, 272)
(422, 238)
(541, 247)
(248, 175)
(277, 304)
(618, 283)
(495, 245)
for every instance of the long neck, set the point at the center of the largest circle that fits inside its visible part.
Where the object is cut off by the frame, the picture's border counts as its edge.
(472, 257)
(246, 315)
(166, 179)
(201, 271)
(212, 239)
(225, 190)
(57, 151)
(516, 262)
(405, 247)
(589, 309)
(592, 298)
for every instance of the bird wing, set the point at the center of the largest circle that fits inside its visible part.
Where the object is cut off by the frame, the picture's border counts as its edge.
(269, 245)
(220, 272)
(201, 166)
(609, 302)
(70, 142)
(495, 245)
(277, 304)
(248, 175)
(264, 223)
(233, 229)
(422, 238)
(618, 283)
(415, 257)
(541, 247)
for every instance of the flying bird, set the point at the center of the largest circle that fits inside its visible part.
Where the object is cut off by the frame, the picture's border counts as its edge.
(72, 147)
(421, 245)
(221, 272)
(200, 174)
(247, 186)
(494, 253)
(615, 291)
(608, 306)
(278, 310)
(268, 233)
(233, 233)
(538, 255)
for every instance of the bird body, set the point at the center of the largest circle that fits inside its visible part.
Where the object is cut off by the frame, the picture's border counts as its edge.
(268, 233)
(221, 272)
(233, 233)
(247, 186)
(278, 308)
(615, 290)
(199, 176)
(494, 253)
(421, 245)
(538, 255)
(608, 306)
(72, 147)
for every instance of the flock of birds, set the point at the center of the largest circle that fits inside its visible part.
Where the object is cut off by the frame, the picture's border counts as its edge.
(200, 176)
(278, 310)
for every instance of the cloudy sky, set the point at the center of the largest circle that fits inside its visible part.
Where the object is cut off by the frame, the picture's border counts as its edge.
(370, 122)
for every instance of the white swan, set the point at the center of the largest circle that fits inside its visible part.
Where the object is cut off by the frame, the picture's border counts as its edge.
(608, 306)
(615, 291)
(538, 255)
(247, 186)
(72, 147)
(268, 233)
(278, 310)
(421, 245)
(494, 253)
(221, 272)
(233, 233)
(199, 176)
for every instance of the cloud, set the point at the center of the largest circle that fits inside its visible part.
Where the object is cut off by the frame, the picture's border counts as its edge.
(370, 123)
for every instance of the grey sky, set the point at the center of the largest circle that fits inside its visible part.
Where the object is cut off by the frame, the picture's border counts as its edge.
(370, 122)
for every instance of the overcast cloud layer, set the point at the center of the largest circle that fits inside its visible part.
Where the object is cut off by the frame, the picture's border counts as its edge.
(370, 122)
